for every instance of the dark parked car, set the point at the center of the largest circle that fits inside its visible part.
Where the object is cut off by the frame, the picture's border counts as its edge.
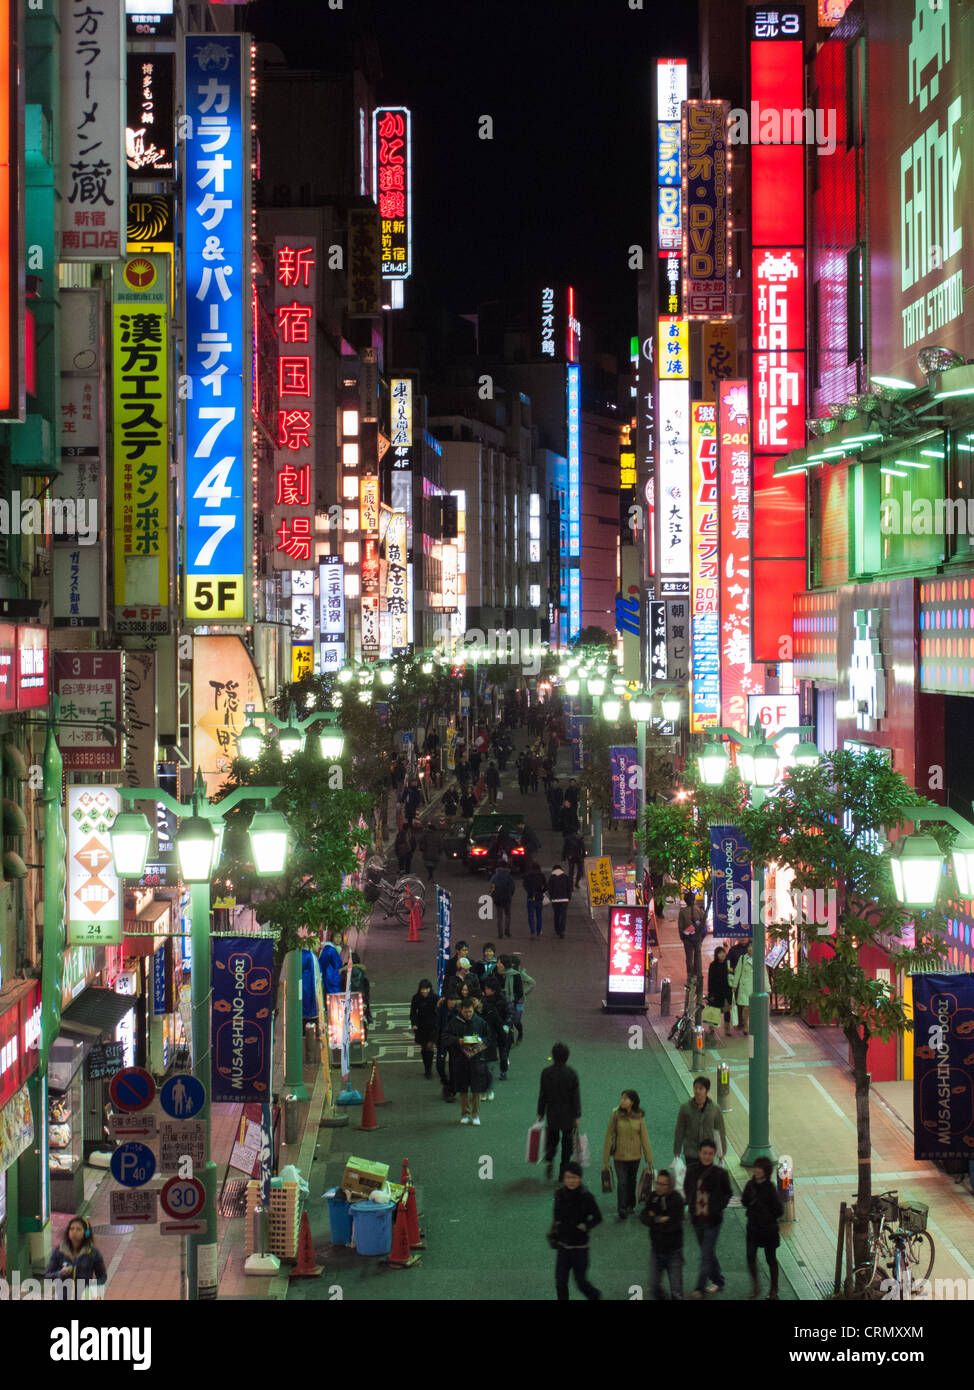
(476, 840)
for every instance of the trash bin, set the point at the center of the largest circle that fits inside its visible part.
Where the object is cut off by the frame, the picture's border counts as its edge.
(310, 1043)
(786, 1185)
(339, 1217)
(372, 1227)
(664, 997)
(291, 1130)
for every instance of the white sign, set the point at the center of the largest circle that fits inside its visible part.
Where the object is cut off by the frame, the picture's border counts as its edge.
(93, 173)
(132, 1126)
(674, 477)
(179, 1137)
(133, 1206)
(94, 900)
(774, 713)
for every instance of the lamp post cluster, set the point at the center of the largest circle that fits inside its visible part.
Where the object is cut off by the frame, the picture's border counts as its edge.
(292, 734)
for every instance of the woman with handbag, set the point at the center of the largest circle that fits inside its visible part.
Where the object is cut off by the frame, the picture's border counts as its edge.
(625, 1141)
(719, 993)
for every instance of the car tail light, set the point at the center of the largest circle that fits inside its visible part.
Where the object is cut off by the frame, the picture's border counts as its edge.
(477, 850)
(518, 849)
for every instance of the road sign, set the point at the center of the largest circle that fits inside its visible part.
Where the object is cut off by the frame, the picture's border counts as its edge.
(132, 1126)
(182, 1228)
(182, 1198)
(178, 1138)
(182, 1097)
(140, 1207)
(132, 1089)
(133, 1164)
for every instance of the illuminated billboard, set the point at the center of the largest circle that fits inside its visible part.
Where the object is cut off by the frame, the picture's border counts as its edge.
(217, 298)
(93, 174)
(12, 385)
(295, 288)
(674, 478)
(704, 569)
(392, 189)
(739, 677)
(707, 261)
(671, 92)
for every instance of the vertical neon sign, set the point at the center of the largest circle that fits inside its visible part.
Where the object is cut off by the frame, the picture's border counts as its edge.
(574, 501)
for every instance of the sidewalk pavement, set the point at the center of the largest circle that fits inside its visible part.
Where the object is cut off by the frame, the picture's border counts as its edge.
(813, 1119)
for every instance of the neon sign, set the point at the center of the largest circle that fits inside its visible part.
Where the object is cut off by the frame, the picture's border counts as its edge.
(392, 189)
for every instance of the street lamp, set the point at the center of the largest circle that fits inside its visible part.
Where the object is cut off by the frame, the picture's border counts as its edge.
(712, 763)
(917, 860)
(130, 838)
(332, 743)
(290, 740)
(250, 741)
(268, 841)
(611, 708)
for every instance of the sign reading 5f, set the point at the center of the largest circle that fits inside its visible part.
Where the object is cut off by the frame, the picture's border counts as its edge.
(217, 359)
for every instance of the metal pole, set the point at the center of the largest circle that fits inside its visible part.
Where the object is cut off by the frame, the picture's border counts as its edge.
(294, 1028)
(200, 1246)
(758, 1070)
(641, 798)
(596, 813)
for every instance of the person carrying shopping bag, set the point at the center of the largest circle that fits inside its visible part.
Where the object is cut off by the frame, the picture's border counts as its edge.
(626, 1141)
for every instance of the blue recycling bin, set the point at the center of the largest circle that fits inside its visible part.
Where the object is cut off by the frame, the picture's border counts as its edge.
(339, 1217)
(372, 1227)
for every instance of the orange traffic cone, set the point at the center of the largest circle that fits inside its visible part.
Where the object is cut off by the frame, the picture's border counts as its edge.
(399, 1256)
(415, 922)
(416, 1241)
(368, 1110)
(375, 1081)
(305, 1268)
(405, 1176)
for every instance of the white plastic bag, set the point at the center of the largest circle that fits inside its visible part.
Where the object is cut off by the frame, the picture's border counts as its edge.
(580, 1152)
(679, 1171)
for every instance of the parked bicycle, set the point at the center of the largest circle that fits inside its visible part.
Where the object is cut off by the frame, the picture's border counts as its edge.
(396, 898)
(900, 1248)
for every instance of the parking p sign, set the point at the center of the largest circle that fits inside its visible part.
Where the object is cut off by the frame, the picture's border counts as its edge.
(133, 1164)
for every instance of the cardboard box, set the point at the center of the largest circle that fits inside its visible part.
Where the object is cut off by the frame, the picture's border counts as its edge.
(361, 1177)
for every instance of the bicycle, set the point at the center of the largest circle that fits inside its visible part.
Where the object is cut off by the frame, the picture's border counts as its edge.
(902, 1248)
(395, 899)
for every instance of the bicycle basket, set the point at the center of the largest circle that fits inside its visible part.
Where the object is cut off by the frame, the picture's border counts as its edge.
(888, 1206)
(370, 892)
(913, 1216)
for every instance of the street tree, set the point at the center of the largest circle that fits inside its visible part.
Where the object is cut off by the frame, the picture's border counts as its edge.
(675, 834)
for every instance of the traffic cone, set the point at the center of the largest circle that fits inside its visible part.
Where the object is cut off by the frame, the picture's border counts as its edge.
(415, 922)
(405, 1176)
(375, 1081)
(399, 1256)
(416, 1241)
(305, 1268)
(368, 1110)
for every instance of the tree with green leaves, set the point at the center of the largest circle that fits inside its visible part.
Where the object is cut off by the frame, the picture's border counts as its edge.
(827, 824)
(675, 835)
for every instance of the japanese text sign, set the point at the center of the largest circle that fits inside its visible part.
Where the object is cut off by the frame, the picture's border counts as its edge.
(94, 899)
(704, 569)
(739, 677)
(90, 688)
(295, 267)
(392, 189)
(93, 187)
(706, 211)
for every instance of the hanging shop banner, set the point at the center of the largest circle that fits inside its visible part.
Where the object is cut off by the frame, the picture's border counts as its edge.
(943, 1079)
(16, 1129)
(671, 92)
(739, 677)
(719, 356)
(705, 569)
(93, 175)
(624, 765)
(706, 158)
(574, 390)
(674, 477)
(78, 561)
(90, 727)
(674, 349)
(94, 897)
(444, 919)
(139, 703)
(601, 885)
(225, 687)
(242, 1007)
(396, 582)
(392, 189)
(78, 588)
(13, 385)
(370, 629)
(626, 958)
(331, 619)
(364, 300)
(217, 261)
(140, 381)
(32, 666)
(149, 126)
(296, 286)
(730, 869)
(658, 664)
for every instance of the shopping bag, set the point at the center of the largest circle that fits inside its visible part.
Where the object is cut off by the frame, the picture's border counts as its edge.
(646, 1181)
(711, 1015)
(735, 1018)
(678, 1169)
(580, 1149)
(534, 1148)
(606, 1179)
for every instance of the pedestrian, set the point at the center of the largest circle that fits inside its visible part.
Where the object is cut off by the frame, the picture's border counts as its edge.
(576, 1214)
(404, 846)
(625, 1140)
(708, 1191)
(412, 800)
(535, 884)
(450, 969)
(468, 802)
(496, 1013)
(522, 773)
(360, 984)
(571, 793)
(568, 822)
(534, 768)
(468, 979)
(663, 1214)
(559, 894)
(692, 927)
(474, 760)
(446, 1009)
(330, 960)
(309, 999)
(518, 984)
(451, 802)
(480, 790)
(502, 887)
(742, 983)
(697, 1121)
(762, 1203)
(573, 850)
(719, 994)
(492, 779)
(461, 771)
(488, 964)
(560, 1104)
(431, 846)
(422, 1020)
(469, 1037)
(555, 803)
(76, 1258)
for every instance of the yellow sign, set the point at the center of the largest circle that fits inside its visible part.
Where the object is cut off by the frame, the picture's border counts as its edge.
(302, 660)
(601, 889)
(674, 350)
(217, 598)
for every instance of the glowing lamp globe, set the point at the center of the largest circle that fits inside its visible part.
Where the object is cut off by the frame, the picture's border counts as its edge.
(268, 841)
(196, 849)
(916, 862)
(250, 742)
(130, 837)
(712, 764)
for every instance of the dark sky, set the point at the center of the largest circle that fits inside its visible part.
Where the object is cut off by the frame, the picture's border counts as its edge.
(563, 189)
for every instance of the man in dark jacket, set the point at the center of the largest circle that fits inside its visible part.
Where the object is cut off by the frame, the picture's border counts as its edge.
(560, 892)
(404, 846)
(412, 799)
(764, 1210)
(573, 850)
(560, 1100)
(492, 780)
(576, 1214)
(497, 1014)
(691, 925)
(534, 887)
(556, 800)
(708, 1191)
(663, 1214)
(502, 888)
(431, 847)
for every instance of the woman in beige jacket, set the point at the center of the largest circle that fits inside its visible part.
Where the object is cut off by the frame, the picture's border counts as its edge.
(625, 1141)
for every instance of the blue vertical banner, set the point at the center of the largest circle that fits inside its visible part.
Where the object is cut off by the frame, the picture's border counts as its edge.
(240, 1028)
(730, 868)
(625, 782)
(217, 261)
(266, 1152)
(943, 1066)
(444, 920)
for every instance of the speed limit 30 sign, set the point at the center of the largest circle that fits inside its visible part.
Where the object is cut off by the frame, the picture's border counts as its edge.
(182, 1198)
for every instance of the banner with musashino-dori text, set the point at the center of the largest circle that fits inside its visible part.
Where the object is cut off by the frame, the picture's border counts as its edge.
(240, 1028)
(943, 1066)
(730, 870)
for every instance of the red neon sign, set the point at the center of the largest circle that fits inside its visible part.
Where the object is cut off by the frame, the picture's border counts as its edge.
(11, 306)
(738, 676)
(294, 318)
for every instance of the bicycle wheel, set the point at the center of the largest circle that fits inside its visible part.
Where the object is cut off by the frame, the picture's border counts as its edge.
(920, 1251)
(409, 883)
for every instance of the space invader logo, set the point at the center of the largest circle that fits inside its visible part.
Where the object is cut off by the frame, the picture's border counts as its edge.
(929, 43)
(867, 674)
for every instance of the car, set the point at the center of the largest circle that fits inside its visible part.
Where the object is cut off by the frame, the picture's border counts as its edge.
(475, 840)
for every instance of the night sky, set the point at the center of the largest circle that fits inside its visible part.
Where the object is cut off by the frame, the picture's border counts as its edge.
(563, 188)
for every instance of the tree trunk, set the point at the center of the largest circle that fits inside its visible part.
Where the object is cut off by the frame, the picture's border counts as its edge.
(859, 1043)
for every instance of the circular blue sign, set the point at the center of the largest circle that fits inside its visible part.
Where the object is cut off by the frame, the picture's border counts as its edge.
(182, 1097)
(132, 1089)
(133, 1164)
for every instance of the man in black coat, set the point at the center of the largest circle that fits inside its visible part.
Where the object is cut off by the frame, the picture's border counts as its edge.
(663, 1214)
(576, 1213)
(708, 1191)
(559, 1099)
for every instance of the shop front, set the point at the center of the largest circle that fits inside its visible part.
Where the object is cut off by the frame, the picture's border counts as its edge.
(153, 951)
(20, 1031)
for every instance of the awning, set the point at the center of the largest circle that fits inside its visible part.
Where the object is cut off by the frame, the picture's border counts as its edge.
(98, 1008)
